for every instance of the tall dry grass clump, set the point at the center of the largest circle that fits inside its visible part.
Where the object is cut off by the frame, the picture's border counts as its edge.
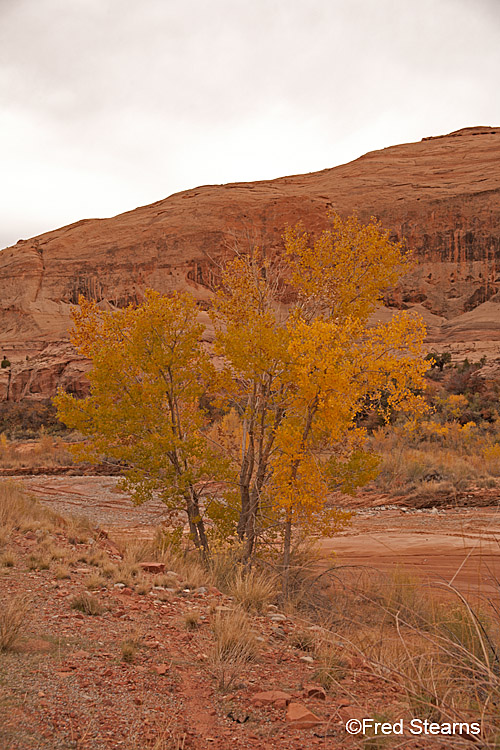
(235, 645)
(14, 613)
(253, 589)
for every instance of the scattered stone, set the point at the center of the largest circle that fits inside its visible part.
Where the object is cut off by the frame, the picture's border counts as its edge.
(80, 654)
(300, 717)
(314, 691)
(119, 586)
(351, 712)
(161, 668)
(278, 617)
(307, 659)
(268, 697)
(200, 590)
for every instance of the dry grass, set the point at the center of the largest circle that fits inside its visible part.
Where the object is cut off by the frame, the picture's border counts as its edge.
(234, 646)
(46, 451)
(441, 652)
(437, 458)
(14, 613)
(87, 604)
(253, 590)
(95, 581)
(7, 560)
(20, 511)
(130, 646)
(62, 573)
(192, 619)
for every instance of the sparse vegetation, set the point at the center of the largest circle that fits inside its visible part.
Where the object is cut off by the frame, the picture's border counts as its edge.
(87, 604)
(14, 612)
(253, 590)
(192, 619)
(235, 645)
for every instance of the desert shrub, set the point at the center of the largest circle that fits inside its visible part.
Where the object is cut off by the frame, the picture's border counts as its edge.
(14, 613)
(234, 646)
(87, 604)
(130, 646)
(253, 590)
(192, 619)
(330, 665)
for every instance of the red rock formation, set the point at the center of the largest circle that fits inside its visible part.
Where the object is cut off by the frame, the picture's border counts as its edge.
(441, 194)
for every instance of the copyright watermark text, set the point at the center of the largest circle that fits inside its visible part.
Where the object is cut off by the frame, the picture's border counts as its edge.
(413, 726)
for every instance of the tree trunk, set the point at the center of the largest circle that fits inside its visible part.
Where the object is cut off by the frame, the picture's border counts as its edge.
(287, 549)
(196, 525)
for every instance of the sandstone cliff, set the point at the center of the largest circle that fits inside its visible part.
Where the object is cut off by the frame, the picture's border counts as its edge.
(441, 194)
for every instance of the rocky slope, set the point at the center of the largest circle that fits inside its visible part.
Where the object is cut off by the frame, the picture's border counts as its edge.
(441, 194)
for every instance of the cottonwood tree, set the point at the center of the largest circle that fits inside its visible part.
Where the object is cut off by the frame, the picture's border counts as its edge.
(301, 358)
(148, 374)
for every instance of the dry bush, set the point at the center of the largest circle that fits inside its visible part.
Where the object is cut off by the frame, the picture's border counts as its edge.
(253, 590)
(79, 529)
(224, 566)
(192, 619)
(87, 604)
(303, 639)
(95, 581)
(38, 562)
(135, 551)
(7, 560)
(142, 585)
(126, 573)
(14, 613)
(235, 645)
(129, 646)
(62, 572)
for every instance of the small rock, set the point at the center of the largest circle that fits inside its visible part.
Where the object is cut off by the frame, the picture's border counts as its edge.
(278, 617)
(269, 697)
(200, 590)
(80, 654)
(352, 712)
(314, 691)
(307, 659)
(119, 586)
(300, 717)
(161, 668)
(278, 633)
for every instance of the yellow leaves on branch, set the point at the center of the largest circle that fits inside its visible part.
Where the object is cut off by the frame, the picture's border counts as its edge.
(302, 358)
(148, 374)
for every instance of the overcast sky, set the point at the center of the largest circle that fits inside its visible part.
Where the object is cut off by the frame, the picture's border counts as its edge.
(106, 105)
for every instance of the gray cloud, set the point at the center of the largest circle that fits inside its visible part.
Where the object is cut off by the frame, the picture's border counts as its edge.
(108, 104)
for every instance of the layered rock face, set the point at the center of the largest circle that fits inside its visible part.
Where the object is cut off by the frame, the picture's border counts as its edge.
(442, 195)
